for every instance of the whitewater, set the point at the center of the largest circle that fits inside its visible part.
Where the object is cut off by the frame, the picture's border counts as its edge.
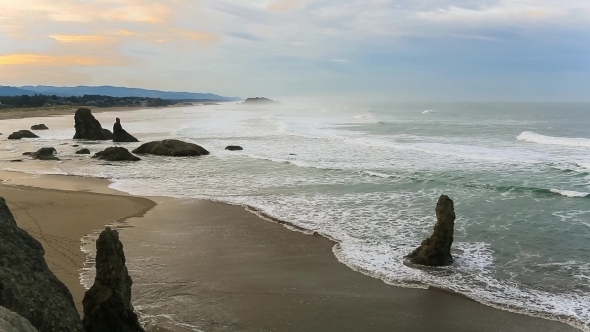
(369, 175)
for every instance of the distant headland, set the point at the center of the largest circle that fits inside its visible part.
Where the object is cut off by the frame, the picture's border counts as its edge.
(260, 101)
(111, 91)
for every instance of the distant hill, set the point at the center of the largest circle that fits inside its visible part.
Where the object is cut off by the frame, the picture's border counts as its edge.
(112, 91)
(10, 91)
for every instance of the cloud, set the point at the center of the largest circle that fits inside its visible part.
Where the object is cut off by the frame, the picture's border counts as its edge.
(510, 13)
(58, 61)
(75, 39)
(283, 6)
(169, 42)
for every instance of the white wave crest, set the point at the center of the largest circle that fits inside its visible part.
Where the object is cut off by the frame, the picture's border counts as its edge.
(570, 193)
(530, 136)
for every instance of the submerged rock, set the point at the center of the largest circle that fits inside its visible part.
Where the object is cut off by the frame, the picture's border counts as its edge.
(120, 135)
(13, 322)
(83, 151)
(39, 127)
(45, 154)
(171, 147)
(87, 127)
(22, 134)
(436, 250)
(234, 148)
(107, 304)
(27, 286)
(116, 153)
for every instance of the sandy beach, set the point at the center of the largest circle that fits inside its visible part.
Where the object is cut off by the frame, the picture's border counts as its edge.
(254, 275)
(24, 113)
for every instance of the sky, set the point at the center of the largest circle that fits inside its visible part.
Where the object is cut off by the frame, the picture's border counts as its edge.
(402, 50)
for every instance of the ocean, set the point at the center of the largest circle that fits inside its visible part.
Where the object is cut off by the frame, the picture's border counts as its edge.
(368, 175)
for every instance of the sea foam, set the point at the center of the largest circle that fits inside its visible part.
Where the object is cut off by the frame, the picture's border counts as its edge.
(533, 137)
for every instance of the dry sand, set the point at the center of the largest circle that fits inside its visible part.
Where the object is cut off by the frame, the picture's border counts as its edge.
(22, 113)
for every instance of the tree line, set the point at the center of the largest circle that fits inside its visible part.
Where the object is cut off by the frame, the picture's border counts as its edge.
(40, 100)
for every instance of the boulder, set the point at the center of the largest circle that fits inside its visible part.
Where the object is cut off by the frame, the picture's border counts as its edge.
(83, 151)
(16, 161)
(13, 322)
(87, 127)
(107, 304)
(39, 127)
(22, 134)
(45, 154)
(436, 250)
(171, 147)
(120, 135)
(116, 153)
(27, 286)
(234, 148)
(28, 153)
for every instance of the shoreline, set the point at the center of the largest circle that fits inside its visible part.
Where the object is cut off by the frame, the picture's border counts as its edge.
(59, 212)
(37, 112)
(406, 285)
(56, 185)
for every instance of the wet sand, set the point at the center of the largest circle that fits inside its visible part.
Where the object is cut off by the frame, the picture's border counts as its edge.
(255, 275)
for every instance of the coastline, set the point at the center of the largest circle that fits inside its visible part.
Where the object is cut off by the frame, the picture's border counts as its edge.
(253, 274)
(55, 192)
(25, 113)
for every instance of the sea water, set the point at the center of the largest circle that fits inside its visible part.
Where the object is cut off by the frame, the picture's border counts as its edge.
(369, 175)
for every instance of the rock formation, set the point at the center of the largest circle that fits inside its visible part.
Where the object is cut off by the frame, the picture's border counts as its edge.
(107, 304)
(116, 154)
(436, 250)
(107, 133)
(13, 322)
(171, 147)
(45, 154)
(120, 135)
(83, 151)
(27, 286)
(39, 127)
(87, 127)
(22, 134)
(234, 148)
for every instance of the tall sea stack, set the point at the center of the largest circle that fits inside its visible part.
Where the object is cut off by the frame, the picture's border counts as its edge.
(107, 304)
(87, 127)
(120, 134)
(436, 250)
